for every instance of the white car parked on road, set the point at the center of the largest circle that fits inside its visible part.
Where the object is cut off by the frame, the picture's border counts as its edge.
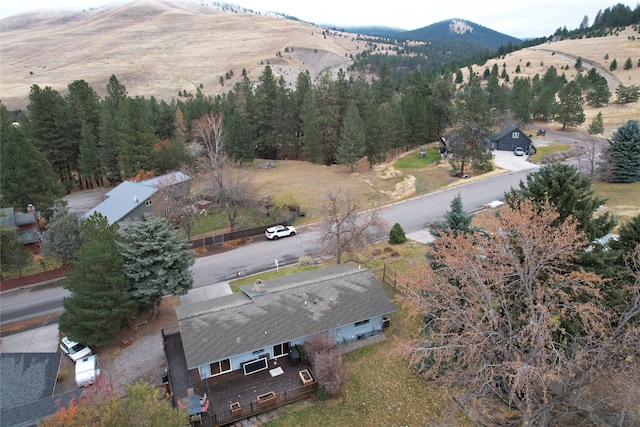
(274, 233)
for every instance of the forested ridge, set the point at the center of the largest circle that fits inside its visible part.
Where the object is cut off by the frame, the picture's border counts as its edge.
(79, 140)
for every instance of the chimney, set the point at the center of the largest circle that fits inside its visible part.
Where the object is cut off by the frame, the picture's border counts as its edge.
(30, 208)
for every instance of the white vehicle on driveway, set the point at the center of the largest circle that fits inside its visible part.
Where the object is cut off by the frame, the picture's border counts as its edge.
(87, 371)
(74, 350)
(274, 233)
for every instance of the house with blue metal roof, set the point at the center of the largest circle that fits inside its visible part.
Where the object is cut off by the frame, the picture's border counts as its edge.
(131, 200)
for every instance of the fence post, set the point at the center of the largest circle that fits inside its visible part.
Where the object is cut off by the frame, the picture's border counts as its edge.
(384, 272)
(395, 280)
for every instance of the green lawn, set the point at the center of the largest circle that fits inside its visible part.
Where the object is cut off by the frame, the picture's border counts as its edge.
(414, 161)
(545, 150)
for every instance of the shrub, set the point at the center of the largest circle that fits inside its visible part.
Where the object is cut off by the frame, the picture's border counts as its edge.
(396, 236)
(328, 368)
(305, 260)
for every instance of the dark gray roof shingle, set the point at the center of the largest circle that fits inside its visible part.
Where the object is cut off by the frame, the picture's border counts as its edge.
(27, 382)
(280, 310)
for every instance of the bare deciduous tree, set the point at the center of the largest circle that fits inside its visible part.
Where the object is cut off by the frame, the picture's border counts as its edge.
(509, 315)
(208, 132)
(174, 202)
(233, 190)
(347, 229)
(592, 157)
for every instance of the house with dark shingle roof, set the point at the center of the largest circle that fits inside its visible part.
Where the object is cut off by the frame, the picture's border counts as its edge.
(224, 334)
(27, 226)
(509, 138)
(27, 383)
(131, 200)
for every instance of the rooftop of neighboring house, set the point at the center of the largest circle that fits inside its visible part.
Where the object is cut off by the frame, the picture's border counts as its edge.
(12, 219)
(26, 388)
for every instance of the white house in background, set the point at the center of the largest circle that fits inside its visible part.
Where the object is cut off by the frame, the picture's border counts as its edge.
(131, 200)
(265, 320)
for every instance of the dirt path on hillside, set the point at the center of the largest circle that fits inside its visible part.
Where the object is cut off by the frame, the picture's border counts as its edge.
(611, 79)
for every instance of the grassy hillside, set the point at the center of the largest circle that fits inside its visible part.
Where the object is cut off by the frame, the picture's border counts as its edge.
(157, 49)
(592, 51)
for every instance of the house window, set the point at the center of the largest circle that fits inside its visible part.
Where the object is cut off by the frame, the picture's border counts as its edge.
(364, 322)
(148, 202)
(280, 350)
(167, 211)
(515, 135)
(220, 367)
(167, 197)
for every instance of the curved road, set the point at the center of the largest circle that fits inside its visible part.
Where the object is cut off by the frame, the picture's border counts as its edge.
(413, 214)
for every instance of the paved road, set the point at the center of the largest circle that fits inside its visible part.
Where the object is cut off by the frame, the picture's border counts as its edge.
(413, 214)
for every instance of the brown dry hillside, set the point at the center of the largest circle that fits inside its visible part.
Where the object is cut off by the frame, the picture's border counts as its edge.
(159, 48)
(592, 51)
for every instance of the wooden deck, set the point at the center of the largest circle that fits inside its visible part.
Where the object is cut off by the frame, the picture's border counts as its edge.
(235, 387)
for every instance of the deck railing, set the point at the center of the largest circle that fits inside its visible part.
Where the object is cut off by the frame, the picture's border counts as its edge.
(255, 407)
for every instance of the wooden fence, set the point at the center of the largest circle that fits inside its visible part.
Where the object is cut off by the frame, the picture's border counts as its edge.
(392, 278)
(255, 407)
(31, 279)
(219, 239)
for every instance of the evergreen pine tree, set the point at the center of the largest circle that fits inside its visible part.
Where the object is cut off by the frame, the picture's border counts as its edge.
(46, 129)
(109, 125)
(570, 193)
(136, 139)
(382, 88)
(628, 94)
(521, 100)
(100, 303)
(474, 120)
(63, 238)
(568, 110)
(352, 138)
(597, 125)
(623, 153)
(456, 220)
(83, 121)
(237, 142)
(26, 175)
(613, 65)
(396, 235)
(156, 260)
(459, 77)
(89, 161)
(266, 115)
(628, 64)
(598, 93)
